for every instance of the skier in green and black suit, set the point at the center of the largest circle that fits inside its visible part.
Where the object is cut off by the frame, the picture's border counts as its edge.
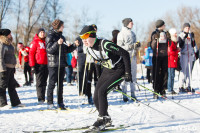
(116, 63)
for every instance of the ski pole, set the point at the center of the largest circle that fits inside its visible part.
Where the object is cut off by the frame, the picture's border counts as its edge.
(172, 117)
(167, 99)
(58, 89)
(83, 82)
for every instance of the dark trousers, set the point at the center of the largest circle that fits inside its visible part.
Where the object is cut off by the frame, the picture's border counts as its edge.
(90, 70)
(149, 75)
(27, 69)
(41, 72)
(160, 73)
(69, 71)
(81, 69)
(53, 79)
(106, 82)
(7, 81)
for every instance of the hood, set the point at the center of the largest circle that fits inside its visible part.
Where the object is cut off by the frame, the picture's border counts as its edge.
(5, 40)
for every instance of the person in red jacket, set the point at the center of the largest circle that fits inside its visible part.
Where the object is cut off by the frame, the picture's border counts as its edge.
(24, 60)
(38, 63)
(172, 59)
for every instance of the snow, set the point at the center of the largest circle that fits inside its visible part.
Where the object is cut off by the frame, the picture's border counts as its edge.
(141, 118)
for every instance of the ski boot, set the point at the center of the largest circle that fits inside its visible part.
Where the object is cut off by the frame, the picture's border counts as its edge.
(182, 90)
(51, 107)
(61, 106)
(101, 124)
(189, 89)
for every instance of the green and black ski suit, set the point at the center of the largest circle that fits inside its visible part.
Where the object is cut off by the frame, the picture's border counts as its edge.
(116, 62)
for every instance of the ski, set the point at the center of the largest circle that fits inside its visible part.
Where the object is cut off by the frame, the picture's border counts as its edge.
(59, 110)
(59, 130)
(106, 129)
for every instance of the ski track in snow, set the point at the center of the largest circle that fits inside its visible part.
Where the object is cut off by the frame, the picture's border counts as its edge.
(141, 118)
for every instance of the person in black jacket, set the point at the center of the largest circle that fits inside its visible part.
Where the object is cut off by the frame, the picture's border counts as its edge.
(7, 70)
(116, 62)
(159, 44)
(55, 45)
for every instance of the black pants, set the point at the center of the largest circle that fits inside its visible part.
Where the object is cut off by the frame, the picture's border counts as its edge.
(108, 79)
(7, 81)
(149, 74)
(53, 79)
(160, 74)
(90, 70)
(80, 77)
(41, 72)
(27, 69)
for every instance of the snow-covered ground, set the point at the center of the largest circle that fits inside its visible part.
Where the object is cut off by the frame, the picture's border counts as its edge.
(141, 118)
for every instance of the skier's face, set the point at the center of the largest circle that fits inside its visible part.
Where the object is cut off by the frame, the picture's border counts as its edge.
(130, 25)
(186, 29)
(89, 42)
(61, 28)
(41, 34)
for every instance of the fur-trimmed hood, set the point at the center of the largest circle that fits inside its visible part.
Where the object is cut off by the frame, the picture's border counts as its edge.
(4, 40)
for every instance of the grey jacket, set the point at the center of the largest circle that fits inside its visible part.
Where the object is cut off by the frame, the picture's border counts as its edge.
(126, 39)
(7, 56)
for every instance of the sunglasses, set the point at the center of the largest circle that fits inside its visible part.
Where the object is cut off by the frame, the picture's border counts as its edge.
(87, 34)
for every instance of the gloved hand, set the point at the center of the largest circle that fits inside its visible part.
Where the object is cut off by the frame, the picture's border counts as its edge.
(168, 35)
(3, 74)
(192, 35)
(137, 45)
(186, 35)
(32, 70)
(128, 77)
(157, 35)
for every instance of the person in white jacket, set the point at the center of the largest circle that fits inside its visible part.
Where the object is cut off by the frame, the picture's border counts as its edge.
(127, 40)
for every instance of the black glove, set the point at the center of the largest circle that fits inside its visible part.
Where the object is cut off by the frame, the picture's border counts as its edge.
(138, 44)
(168, 35)
(192, 35)
(157, 35)
(128, 77)
(3, 74)
(186, 35)
(32, 70)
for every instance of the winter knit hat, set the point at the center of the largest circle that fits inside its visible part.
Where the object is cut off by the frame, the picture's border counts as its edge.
(39, 30)
(186, 25)
(159, 23)
(115, 33)
(88, 28)
(5, 32)
(126, 21)
(172, 31)
(57, 24)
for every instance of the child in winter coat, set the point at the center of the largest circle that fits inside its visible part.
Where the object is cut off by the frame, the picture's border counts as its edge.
(172, 59)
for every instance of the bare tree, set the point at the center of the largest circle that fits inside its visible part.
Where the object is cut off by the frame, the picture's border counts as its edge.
(18, 19)
(33, 16)
(3, 10)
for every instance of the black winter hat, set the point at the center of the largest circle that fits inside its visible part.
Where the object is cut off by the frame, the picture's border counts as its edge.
(126, 21)
(57, 24)
(88, 28)
(159, 23)
(5, 32)
(95, 26)
(40, 29)
(186, 25)
(115, 33)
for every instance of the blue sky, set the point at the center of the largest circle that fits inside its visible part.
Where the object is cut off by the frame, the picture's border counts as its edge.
(113, 11)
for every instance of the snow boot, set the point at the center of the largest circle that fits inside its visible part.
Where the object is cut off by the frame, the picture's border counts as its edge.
(125, 99)
(189, 89)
